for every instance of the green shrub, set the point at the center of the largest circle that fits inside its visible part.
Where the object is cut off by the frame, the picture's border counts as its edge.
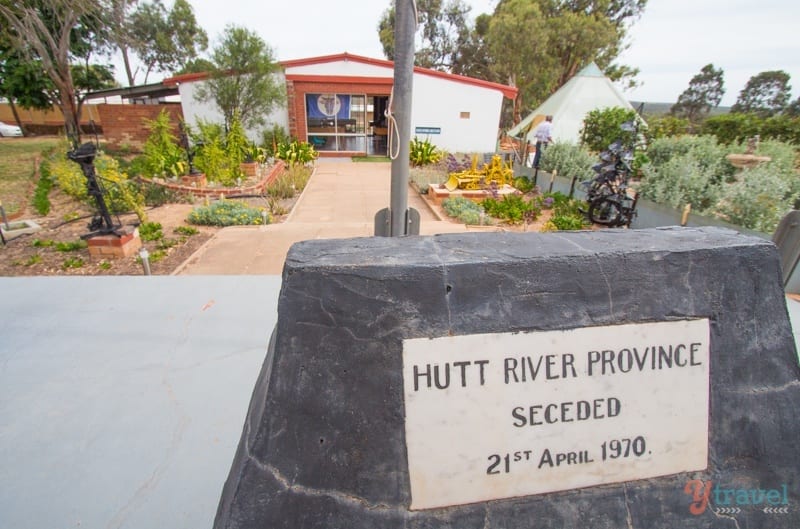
(757, 200)
(423, 152)
(226, 213)
(271, 138)
(463, 209)
(601, 128)
(523, 185)
(511, 208)
(568, 222)
(121, 194)
(296, 152)
(162, 154)
(665, 126)
(738, 128)
(150, 231)
(685, 170)
(568, 159)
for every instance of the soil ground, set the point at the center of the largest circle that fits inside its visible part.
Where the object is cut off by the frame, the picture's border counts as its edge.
(68, 220)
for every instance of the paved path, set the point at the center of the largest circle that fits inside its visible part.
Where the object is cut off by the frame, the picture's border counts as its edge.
(340, 201)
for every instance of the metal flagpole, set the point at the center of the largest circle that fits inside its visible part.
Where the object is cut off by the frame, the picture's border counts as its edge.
(399, 220)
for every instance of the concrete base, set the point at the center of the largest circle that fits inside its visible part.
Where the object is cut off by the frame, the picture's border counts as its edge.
(19, 227)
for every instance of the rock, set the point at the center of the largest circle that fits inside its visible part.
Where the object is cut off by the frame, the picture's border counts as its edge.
(325, 441)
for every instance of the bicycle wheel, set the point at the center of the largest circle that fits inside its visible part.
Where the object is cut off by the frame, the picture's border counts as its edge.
(605, 211)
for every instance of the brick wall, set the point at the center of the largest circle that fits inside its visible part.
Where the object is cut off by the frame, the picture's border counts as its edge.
(124, 125)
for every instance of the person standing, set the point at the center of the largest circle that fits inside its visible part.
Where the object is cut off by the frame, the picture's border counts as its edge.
(543, 136)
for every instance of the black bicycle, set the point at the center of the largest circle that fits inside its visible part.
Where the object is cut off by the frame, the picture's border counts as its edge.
(611, 201)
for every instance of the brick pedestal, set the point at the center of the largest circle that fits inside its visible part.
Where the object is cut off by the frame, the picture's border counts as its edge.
(114, 246)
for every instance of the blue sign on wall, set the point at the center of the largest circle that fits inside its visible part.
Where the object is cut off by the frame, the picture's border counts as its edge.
(427, 130)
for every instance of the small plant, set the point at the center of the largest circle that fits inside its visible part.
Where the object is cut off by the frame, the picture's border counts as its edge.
(523, 185)
(43, 243)
(226, 213)
(186, 230)
(157, 255)
(424, 152)
(166, 244)
(272, 138)
(72, 215)
(512, 208)
(72, 262)
(72, 246)
(33, 260)
(104, 265)
(151, 231)
(296, 152)
(464, 210)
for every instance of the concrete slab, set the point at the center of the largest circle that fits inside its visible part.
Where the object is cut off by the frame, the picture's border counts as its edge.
(122, 399)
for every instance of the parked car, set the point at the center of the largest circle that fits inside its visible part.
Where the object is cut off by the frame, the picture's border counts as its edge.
(9, 130)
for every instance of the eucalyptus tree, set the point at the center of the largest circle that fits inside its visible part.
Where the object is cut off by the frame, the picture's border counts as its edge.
(705, 92)
(765, 94)
(61, 34)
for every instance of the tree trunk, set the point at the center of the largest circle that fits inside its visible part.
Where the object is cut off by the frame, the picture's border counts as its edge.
(16, 114)
(127, 62)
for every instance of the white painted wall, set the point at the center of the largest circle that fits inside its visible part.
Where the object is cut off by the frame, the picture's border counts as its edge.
(438, 102)
(194, 110)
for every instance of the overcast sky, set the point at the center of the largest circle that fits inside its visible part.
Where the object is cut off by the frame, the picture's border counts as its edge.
(672, 41)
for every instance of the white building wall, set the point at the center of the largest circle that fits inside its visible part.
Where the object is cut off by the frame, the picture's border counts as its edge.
(468, 115)
(194, 110)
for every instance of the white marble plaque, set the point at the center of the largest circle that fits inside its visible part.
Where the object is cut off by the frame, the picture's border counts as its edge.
(493, 416)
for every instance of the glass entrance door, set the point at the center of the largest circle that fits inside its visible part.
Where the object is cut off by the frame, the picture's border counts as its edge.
(337, 122)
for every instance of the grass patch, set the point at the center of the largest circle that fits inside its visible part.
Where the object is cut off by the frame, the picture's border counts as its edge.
(17, 159)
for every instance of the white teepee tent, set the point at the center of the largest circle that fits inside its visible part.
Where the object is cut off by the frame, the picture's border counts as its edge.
(588, 90)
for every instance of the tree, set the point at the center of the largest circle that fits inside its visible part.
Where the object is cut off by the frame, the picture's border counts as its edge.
(539, 45)
(55, 32)
(242, 81)
(22, 81)
(443, 29)
(793, 109)
(704, 93)
(765, 94)
(165, 40)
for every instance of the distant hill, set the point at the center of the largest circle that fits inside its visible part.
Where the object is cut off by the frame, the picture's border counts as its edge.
(658, 109)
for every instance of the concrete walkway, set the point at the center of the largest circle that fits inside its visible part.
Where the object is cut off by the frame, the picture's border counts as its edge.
(340, 201)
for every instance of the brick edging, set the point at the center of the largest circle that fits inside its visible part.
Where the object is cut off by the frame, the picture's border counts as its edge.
(258, 188)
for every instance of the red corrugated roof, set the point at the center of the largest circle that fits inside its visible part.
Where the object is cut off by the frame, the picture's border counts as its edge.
(508, 91)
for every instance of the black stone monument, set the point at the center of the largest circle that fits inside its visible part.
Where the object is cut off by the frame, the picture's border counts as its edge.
(327, 440)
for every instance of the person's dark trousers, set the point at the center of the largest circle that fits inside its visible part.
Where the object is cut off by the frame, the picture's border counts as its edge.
(540, 145)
